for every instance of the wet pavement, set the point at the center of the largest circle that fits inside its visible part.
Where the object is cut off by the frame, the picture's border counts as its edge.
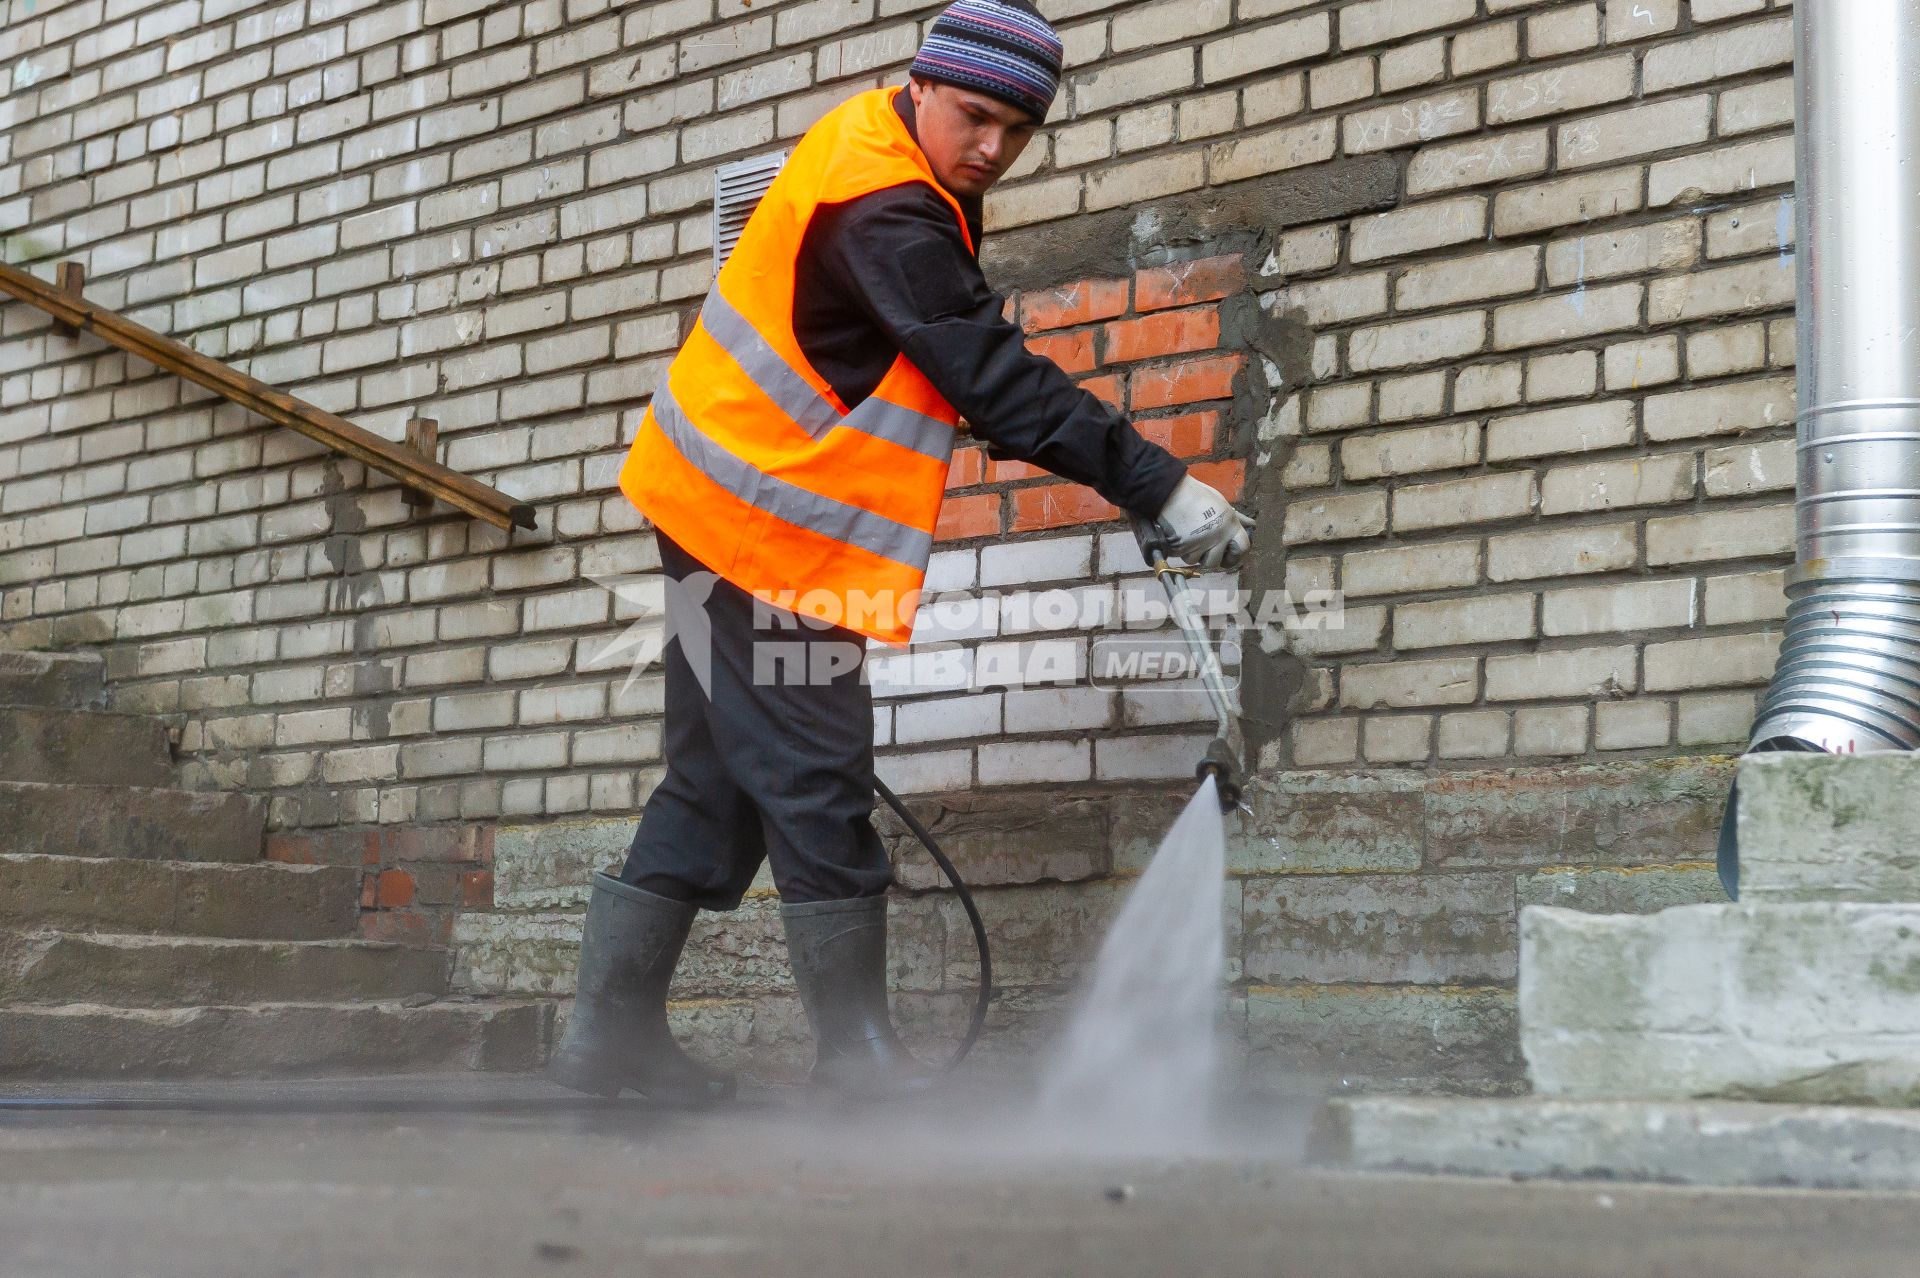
(487, 1175)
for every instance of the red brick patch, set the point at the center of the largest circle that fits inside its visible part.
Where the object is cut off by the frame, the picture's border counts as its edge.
(965, 468)
(395, 890)
(1184, 283)
(1071, 351)
(1058, 506)
(1188, 435)
(963, 517)
(476, 889)
(1189, 382)
(1165, 333)
(1071, 304)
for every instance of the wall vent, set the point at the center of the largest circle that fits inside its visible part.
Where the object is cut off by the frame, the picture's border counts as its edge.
(737, 188)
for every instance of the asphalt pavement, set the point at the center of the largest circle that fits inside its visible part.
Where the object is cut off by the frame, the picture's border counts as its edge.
(484, 1175)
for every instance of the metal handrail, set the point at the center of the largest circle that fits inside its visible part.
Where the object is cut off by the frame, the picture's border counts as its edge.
(412, 469)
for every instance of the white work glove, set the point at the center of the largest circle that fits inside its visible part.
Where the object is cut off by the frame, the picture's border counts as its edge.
(1202, 527)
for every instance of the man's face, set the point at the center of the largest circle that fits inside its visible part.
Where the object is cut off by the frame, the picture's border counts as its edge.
(970, 139)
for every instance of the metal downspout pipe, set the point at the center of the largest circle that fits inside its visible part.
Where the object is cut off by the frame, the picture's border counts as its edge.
(1848, 678)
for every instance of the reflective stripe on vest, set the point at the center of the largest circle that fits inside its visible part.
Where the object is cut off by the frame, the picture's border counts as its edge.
(748, 458)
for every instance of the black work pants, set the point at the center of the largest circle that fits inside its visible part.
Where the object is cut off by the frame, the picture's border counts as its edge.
(772, 758)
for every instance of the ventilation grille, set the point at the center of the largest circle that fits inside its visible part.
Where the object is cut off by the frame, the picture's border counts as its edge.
(737, 189)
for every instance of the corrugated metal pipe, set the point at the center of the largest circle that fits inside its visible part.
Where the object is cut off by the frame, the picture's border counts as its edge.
(1848, 678)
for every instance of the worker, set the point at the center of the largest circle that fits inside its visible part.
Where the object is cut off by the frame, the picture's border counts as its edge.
(792, 463)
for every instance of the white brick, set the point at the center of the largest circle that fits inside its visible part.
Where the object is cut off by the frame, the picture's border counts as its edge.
(1540, 556)
(1743, 167)
(1562, 31)
(1722, 55)
(1318, 742)
(1568, 375)
(1652, 361)
(1553, 731)
(1469, 279)
(947, 718)
(1334, 84)
(1148, 179)
(1482, 48)
(1058, 709)
(1560, 89)
(1448, 446)
(1564, 317)
(1411, 123)
(1033, 562)
(1487, 386)
(1720, 534)
(1246, 52)
(1747, 596)
(1620, 135)
(1380, 21)
(1122, 83)
(1409, 569)
(1339, 517)
(1715, 720)
(1632, 725)
(1481, 499)
(1638, 250)
(1031, 762)
(1422, 341)
(1719, 352)
(1446, 681)
(1576, 672)
(1621, 609)
(1716, 662)
(1150, 758)
(1399, 739)
(1617, 485)
(1452, 622)
(1753, 107)
(1274, 151)
(1640, 20)
(1420, 395)
(1501, 157)
(1764, 285)
(1579, 429)
(1413, 65)
(1567, 201)
(926, 772)
(1720, 410)
(1474, 734)
(1745, 469)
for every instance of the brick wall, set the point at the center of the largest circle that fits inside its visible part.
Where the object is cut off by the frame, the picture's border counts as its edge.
(1484, 306)
(1527, 404)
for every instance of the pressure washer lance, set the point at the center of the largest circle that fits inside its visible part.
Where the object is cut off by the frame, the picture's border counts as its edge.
(1222, 759)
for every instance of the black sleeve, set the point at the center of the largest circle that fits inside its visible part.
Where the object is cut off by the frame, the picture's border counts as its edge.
(905, 262)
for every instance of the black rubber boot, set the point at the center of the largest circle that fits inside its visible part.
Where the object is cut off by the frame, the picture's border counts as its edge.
(839, 954)
(617, 1037)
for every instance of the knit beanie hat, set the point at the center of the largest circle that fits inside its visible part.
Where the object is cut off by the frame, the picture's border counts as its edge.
(1002, 48)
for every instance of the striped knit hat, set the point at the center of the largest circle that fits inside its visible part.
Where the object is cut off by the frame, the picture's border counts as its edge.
(1002, 48)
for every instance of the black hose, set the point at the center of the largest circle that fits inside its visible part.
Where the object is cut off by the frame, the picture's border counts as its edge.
(985, 998)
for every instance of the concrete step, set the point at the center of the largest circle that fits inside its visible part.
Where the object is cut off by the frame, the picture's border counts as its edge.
(86, 1040)
(1679, 1143)
(172, 971)
(70, 680)
(133, 822)
(85, 747)
(1815, 1002)
(264, 901)
(1830, 827)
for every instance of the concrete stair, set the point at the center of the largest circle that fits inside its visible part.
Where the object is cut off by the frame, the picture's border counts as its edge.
(1807, 990)
(142, 935)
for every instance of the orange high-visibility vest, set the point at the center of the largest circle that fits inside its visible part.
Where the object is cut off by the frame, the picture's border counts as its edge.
(747, 457)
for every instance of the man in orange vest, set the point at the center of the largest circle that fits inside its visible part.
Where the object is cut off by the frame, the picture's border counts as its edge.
(792, 462)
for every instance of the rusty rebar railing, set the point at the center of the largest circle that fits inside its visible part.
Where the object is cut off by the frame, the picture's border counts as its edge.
(418, 472)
